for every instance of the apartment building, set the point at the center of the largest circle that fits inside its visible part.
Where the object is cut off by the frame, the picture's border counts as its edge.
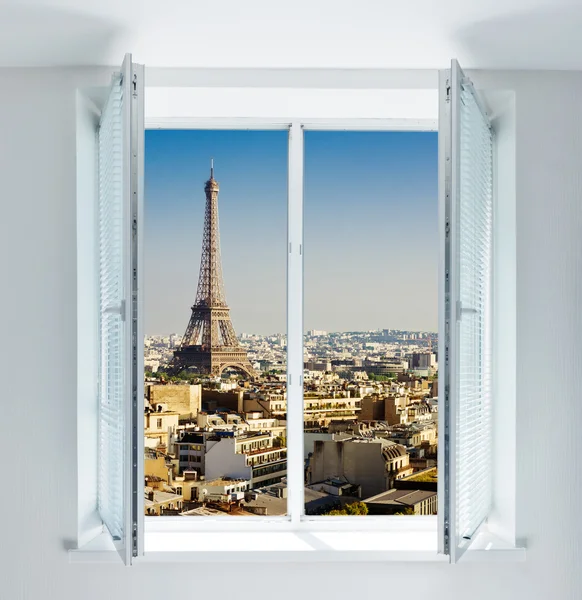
(372, 463)
(259, 458)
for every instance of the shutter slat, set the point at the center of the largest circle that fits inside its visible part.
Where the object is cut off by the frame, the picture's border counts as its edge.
(111, 294)
(474, 214)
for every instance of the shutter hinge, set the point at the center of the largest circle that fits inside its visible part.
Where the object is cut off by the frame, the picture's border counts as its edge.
(134, 539)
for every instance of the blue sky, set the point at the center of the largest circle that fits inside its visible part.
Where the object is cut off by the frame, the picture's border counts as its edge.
(371, 253)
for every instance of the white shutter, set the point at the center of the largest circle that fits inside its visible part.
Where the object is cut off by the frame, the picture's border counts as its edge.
(467, 343)
(120, 154)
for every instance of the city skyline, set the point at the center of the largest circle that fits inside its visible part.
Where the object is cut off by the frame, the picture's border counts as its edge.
(306, 332)
(395, 171)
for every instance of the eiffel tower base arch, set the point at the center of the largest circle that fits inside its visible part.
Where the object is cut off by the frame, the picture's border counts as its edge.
(211, 362)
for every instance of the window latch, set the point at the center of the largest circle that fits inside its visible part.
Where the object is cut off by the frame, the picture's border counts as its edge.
(116, 309)
(461, 310)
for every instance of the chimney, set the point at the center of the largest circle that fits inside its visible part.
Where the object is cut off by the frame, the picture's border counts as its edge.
(151, 496)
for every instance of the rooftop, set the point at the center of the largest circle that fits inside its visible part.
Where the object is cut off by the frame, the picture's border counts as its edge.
(428, 475)
(332, 482)
(221, 481)
(191, 438)
(401, 497)
(203, 511)
(159, 497)
(268, 499)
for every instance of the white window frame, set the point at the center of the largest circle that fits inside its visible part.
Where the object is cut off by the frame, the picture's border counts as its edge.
(296, 520)
(408, 537)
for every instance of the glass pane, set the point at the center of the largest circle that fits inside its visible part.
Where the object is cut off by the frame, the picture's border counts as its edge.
(215, 319)
(371, 314)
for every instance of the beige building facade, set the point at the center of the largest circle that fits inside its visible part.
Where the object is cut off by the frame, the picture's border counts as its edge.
(185, 400)
(373, 464)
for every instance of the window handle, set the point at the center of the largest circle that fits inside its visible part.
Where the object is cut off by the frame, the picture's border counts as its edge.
(461, 310)
(116, 309)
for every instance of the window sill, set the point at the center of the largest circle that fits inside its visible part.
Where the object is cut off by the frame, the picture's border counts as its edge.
(296, 546)
(99, 550)
(488, 547)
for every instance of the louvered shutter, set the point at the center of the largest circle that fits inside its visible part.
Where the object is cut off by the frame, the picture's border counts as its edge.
(120, 406)
(468, 313)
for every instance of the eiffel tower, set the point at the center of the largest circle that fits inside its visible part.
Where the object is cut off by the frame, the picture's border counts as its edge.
(210, 343)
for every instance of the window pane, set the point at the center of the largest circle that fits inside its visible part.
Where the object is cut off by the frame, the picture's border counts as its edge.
(215, 318)
(371, 364)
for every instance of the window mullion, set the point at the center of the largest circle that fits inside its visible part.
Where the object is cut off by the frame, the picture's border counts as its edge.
(295, 469)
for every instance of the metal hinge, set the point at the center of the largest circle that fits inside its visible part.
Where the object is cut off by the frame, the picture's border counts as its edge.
(134, 540)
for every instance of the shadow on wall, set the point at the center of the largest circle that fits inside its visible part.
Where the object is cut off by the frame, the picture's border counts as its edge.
(39, 36)
(548, 38)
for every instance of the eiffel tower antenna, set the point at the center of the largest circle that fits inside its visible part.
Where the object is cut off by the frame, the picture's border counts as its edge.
(210, 344)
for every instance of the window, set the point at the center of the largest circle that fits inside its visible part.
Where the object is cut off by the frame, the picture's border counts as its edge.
(465, 346)
(159, 423)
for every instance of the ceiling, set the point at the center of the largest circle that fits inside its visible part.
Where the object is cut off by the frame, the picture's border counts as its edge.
(496, 34)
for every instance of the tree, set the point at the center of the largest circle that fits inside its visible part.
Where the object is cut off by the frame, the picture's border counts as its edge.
(388, 377)
(407, 511)
(355, 508)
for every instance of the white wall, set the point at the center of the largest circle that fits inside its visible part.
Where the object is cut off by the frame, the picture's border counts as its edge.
(38, 356)
(221, 460)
